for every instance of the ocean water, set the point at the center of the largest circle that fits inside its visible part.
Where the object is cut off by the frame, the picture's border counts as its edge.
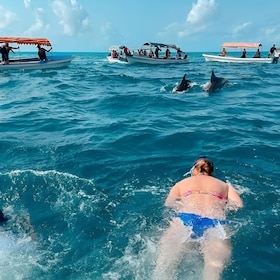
(89, 153)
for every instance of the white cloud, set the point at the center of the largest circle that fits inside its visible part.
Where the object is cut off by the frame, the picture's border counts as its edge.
(170, 28)
(196, 21)
(189, 30)
(27, 3)
(106, 27)
(73, 17)
(41, 23)
(201, 11)
(7, 18)
(240, 28)
(271, 32)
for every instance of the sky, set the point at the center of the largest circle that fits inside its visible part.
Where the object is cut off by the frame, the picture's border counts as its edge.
(95, 25)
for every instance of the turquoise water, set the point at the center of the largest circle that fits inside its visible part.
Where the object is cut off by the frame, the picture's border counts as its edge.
(88, 154)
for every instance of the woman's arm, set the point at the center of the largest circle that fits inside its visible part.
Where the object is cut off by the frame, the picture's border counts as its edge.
(234, 197)
(172, 197)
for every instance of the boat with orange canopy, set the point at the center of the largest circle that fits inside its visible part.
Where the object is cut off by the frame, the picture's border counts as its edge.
(236, 57)
(53, 61)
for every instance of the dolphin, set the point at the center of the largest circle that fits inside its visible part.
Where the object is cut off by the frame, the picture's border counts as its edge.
(216, 83)
(184, 85)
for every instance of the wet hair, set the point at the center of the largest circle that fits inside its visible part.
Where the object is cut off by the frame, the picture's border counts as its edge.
(3, 219)
(204, 166)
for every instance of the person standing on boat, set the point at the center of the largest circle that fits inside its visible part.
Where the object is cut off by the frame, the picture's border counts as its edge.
(271, 51)
(200, 203)
(156, 51)
(5, 52)
(243, 55)
(42, 53)
(167, 53)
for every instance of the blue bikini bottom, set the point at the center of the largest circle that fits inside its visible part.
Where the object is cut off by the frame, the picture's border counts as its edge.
(199, 224)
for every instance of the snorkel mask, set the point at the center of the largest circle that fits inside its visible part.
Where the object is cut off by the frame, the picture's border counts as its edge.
(190, 172)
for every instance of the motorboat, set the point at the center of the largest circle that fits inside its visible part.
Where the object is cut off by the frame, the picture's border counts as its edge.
(158, 53)
(277, 53)
(52, 62)
(117, 54)
(232, 57)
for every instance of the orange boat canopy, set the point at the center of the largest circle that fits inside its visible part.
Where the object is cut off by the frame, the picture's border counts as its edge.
(241, 45)
(25, 41)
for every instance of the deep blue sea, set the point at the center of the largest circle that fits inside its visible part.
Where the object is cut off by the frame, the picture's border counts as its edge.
(89, 153)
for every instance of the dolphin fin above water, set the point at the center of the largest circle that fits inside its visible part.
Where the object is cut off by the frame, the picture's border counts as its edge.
(184, 85)
(216, 83)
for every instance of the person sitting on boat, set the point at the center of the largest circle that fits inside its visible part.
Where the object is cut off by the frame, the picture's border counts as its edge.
(114, 54)
(179, 53)
(257, 54)
(151, 53)
(167, 53)
(5, 52)
(224, 52)
(126, 51)
(156, 51)
(243, 55)
(42, 53)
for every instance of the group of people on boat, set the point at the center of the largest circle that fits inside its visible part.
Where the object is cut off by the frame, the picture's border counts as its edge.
(6, 48)
(155, 54)
(256, 55)
(121, 55)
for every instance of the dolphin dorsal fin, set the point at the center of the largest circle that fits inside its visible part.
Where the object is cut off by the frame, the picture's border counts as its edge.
(213, 76)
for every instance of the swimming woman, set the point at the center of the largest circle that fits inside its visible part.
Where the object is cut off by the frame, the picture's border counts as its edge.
(200, 203)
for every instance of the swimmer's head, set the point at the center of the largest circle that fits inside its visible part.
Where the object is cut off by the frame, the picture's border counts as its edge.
(203, 166)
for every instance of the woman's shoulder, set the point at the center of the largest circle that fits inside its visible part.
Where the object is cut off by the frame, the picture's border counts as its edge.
(196, 180)
(211, 181)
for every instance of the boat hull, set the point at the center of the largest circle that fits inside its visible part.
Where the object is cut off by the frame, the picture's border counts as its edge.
(31, 64)
(155, 61)
(116, 60)
(232, 59)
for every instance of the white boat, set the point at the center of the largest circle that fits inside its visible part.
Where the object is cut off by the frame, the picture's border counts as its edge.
(158, 53)
(117, 54)
(52, 62)
(225, 57)
(277, 53)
